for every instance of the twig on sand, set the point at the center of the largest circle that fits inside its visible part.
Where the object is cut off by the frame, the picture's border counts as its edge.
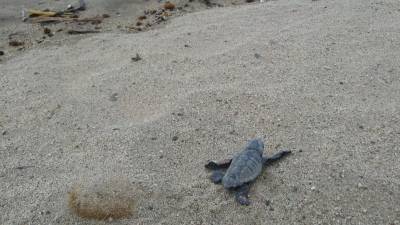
(82, 31)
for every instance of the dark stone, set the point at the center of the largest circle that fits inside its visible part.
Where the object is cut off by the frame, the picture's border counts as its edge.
(114, 97)
(136, 58)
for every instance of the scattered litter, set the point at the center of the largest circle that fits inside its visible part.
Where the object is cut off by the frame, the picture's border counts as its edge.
(72, 32)
(93, 20)
(81, 7)
(136, 58)
(70, 12)
(49, 19)
(23, 15)
(44, 13)
(15, 43)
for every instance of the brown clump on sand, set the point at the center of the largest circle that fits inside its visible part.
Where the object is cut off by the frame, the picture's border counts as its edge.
(169, 6)
(102, 201)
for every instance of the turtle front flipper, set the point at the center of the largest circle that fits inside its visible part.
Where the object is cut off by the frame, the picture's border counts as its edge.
(242, 194)
(217, 176)
(276, 157)
(213, 165)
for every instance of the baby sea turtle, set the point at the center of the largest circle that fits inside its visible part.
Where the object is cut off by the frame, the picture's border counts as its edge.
(242, 169)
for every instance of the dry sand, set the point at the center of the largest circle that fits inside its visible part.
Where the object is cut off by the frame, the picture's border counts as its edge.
(318, 77)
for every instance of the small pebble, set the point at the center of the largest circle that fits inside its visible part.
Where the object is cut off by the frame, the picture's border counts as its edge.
(114, 97)
(364, 211)
(174, 138)
(327, 68)
(47, 31)
(361, 186)
(136, 58)
(313, 188)
(15, 43)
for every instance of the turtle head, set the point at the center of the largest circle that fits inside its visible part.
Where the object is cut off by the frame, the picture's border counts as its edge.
(256, 144)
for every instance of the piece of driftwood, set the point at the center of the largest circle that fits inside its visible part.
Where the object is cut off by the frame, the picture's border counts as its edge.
(96, 19)
(82, 31)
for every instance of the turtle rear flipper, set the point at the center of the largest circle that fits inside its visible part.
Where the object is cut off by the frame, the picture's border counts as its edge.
(223, 164)
(276, 157)
(242, 194)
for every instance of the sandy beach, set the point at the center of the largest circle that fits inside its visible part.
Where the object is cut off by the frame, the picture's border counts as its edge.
(321, 78)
